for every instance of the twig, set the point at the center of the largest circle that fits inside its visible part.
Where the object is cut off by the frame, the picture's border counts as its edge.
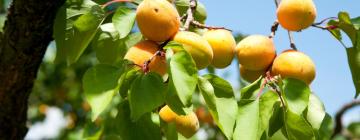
(322, 21)
(199, 25)
(274, 28)
(116, 1)
(159, 52)
(189, 13)
(276, 3)
(292, 43)
(338, 117)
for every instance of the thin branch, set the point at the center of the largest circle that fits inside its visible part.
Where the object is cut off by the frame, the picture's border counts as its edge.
(322, 21)
(189, 13)
(276, 3)
(160, 52)
(274, 28)
(117, 1)
(292, 43)
(199, 25)
(338, 117)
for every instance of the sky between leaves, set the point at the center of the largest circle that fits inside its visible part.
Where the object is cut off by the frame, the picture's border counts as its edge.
(333, 83)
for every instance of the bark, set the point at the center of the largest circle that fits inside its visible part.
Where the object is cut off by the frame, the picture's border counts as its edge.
(27, 33)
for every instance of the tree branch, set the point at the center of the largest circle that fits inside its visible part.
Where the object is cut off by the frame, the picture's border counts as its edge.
(189, 14)
(27, 33)
(338, 117)
(159, 52)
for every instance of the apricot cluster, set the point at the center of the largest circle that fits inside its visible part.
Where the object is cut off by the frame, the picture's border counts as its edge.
(187, 125)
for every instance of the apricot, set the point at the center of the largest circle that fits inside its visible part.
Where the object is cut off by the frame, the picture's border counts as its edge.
(295, 15)
(223, 45)
(294, 64)
(204, 115)
(187, 125)
(255, 52)
(157, 20)
(142, 52)
(250, 75)
(199, 49)
(167, 114)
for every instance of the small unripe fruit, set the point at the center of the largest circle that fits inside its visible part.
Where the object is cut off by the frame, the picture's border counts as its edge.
(294, 64)
(187, 125)
(223, 45)
(255, 52)
(142, 52)
(295, 15)
(199, 49)
(167, 114)
(250, 75)
(157, 20)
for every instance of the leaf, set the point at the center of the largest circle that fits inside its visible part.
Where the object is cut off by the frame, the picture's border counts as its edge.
(59, 34)
(326, 128)
(251, 91)
(108, 47)
(84, 30)
(132, 39)
(100, 84)
(266, 105)
(142, 129)
(354, 129)
(182, 77)
(92, 131)
(247, 122)
(345, 24)
(147, 93)
(296, 95)
(277, 119)
(123, 20)
(356, 22)
(315, 112)
(126, 81)
(297, 128)
(353, 55)
(169, 130)
(222, 95)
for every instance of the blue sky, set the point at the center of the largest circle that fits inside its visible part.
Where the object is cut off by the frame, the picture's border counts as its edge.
(333, 83)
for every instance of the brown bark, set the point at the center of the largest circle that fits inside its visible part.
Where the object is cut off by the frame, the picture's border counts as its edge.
(27, 33)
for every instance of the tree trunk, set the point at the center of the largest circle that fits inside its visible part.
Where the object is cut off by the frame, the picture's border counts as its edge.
(27, 33)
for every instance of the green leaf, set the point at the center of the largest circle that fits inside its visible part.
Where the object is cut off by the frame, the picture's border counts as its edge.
(226, 108)
(326, 128)
(169, 130)
(126, 81)
(84, 29)
(356, 22)
(108, 47)
(277, 119)
(132, 39)
(266, 103)
(142, 129)
(92, 131)
(353, 55)
(296, 95)
(247, 122)
(147, 93)
(345, 24)
(354, 129)
(297, 128)
(315, 112)
(100, 84)
(251, 91)
(182, 77)
(124, 19)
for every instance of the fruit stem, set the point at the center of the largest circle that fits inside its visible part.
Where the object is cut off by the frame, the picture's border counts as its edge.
(199, 25)
(292, 43)
(338, 117)
(274, 28)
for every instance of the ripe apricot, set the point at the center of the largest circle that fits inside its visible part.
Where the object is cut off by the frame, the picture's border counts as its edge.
(255, 52)
(167, 114)
(295, 15)
(223, 45)
(294, 64)
(142, 52)
(250, 75)
(157, 20)
(187, 125)
(196, 46)
(204, 116)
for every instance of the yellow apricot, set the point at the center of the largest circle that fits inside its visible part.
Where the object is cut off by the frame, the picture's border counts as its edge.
(199, 49)
(250, 75)
(187, 125)
(157, 20)
(142, 52)
(295, 15)
(294, 64)
(255, 52)
(167, 114)
(223, 45)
